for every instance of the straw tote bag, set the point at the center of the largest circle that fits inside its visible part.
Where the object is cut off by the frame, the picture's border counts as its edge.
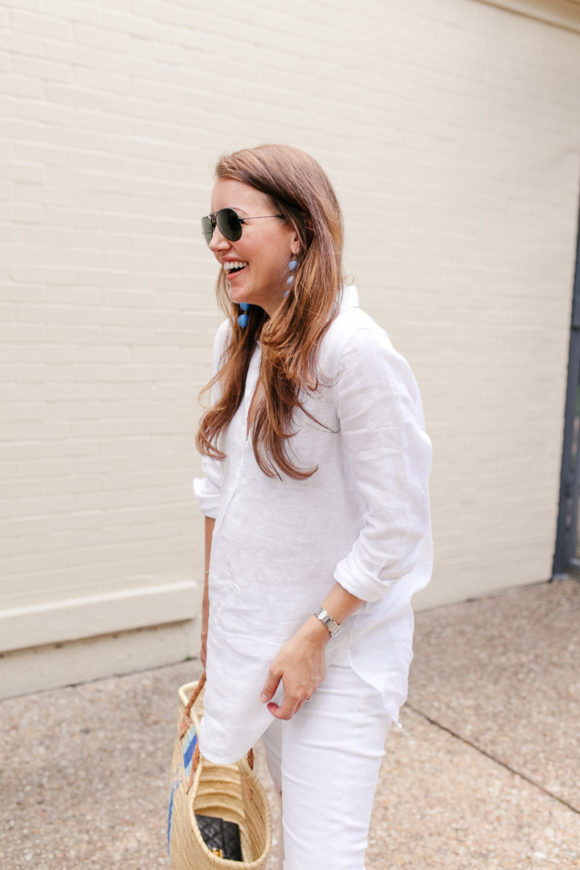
(228, 792)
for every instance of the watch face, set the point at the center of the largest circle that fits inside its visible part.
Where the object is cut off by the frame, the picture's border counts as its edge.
(331, 624)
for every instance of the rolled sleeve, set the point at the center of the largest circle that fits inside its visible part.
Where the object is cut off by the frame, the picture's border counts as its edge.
(388, 460)
(208, 489)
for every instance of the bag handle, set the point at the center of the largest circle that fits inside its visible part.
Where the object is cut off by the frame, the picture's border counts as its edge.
(195, 694)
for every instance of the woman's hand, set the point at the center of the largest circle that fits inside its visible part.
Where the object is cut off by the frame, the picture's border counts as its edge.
(301, 662)
(301, 666)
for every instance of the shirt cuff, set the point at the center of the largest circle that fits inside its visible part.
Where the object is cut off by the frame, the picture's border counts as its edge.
(207, 495)
(358, 582)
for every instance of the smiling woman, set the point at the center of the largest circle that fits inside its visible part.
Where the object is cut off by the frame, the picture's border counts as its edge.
(317, 508)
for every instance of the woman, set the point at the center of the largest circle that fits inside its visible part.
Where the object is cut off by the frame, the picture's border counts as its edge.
(316, 504)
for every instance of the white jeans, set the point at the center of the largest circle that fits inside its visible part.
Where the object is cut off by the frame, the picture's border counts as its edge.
(325, 761)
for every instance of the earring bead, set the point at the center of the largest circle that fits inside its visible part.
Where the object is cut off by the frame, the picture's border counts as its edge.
(291, 268)
(243, 318)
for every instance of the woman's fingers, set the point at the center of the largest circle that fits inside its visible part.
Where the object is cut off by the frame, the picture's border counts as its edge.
(270, 685)
(290, 705)
(286, 709)
(300, 665)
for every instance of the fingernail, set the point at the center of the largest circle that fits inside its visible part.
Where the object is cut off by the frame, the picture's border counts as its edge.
(263, 697)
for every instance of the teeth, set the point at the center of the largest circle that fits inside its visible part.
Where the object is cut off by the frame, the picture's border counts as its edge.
(234, 264)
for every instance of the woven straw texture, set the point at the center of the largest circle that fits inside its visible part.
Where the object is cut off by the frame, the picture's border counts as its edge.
(233, 792)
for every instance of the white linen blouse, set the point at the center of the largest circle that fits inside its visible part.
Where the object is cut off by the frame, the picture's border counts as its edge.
(279, 545)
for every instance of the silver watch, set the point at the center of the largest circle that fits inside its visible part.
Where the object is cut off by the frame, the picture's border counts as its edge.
(326, 619)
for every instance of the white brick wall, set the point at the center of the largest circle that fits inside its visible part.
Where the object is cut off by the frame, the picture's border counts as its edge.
(451, 131)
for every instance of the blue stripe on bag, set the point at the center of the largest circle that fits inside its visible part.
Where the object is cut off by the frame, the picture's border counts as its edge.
(188, 750)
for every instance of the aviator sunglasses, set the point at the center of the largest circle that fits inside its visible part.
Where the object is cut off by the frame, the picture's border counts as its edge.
(229, 223)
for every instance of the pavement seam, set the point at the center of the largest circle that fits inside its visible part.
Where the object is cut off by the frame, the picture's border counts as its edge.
(493, 758)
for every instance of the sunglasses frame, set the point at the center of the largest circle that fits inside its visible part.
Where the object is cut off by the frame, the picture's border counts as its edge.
(231, 235)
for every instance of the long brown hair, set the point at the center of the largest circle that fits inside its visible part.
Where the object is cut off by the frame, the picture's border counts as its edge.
(302, 194)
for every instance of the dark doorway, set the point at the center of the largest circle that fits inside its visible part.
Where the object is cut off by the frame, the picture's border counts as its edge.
(567, 555)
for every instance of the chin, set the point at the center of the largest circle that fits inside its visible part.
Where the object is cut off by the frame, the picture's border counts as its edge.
(236, 298)
(239, 294)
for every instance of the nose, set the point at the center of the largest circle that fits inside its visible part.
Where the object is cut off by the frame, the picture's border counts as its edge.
(218, 242)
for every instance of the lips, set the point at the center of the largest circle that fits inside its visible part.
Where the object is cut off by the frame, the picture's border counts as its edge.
(233, 276)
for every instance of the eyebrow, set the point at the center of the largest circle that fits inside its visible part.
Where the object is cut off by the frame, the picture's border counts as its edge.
(234, 207)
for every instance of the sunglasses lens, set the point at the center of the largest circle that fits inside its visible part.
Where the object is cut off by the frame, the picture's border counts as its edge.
(229, 224)
(207, 228)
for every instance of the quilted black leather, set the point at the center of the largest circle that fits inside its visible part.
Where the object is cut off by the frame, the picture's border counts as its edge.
(221, 837)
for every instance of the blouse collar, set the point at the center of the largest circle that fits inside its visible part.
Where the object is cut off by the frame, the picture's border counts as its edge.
(348, 297)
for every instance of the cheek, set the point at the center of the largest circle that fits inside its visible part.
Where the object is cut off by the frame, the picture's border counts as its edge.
(272, 267)
(279, 266)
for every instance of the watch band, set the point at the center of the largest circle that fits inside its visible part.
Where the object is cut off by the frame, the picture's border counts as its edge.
(326, 619)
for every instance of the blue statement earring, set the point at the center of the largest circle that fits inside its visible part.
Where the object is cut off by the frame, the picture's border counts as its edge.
(291, 268)
(243, 318)
(290, 279)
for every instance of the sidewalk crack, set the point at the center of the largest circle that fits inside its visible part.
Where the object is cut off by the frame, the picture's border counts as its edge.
(493, 758)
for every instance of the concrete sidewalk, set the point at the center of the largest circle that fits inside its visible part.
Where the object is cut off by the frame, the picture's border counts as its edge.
(484, 774)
